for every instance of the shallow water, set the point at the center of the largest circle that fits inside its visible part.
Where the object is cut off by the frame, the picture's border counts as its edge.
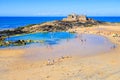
(50, 38)
(82, 45)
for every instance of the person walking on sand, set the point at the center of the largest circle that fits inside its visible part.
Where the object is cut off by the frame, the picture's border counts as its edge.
(48, 62)
(113, 47)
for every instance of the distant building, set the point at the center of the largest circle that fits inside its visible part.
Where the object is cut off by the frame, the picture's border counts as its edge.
(74, 17)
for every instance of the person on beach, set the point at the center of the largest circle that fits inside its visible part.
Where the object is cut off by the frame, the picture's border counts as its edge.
(49, 62)
(84, 40)
(113, 47)
(49, 46)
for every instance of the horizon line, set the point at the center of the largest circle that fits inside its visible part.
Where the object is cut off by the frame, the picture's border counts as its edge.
(60, 16)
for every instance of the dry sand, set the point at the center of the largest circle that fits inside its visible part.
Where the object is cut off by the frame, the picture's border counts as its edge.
(98, 67)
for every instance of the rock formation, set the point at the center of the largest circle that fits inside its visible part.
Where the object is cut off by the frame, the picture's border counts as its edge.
(63, 25)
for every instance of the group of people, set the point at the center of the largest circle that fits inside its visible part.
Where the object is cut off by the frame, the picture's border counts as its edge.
(80, 37)
(53, 61)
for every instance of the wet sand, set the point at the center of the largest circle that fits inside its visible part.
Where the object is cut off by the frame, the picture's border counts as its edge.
(85, 45)
(104, 66)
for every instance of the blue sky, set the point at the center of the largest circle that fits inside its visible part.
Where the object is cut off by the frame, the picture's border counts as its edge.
(59, 7)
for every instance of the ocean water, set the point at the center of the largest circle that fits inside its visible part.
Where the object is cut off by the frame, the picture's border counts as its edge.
(14, 22)
(107, 19)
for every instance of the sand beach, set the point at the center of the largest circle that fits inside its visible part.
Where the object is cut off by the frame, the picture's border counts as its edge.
(104, 66)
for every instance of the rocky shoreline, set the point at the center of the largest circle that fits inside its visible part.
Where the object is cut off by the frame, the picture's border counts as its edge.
(70, 22)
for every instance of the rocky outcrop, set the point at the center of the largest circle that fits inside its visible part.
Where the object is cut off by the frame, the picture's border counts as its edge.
(49, 26)
(19, 42)
(63, 25)
(71, 21)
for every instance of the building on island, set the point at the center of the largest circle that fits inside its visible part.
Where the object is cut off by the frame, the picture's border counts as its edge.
(74, 17)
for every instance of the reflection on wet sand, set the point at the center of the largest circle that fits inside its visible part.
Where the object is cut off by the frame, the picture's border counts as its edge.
(82, 45)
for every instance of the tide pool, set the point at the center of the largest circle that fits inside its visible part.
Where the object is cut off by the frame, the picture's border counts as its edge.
(81, 45)
(47, 37)
(59, 44)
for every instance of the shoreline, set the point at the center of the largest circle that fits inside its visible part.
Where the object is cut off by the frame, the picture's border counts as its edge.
(103, 66)
(60, 44)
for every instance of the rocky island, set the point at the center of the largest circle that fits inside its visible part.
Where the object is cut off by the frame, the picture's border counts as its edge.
(71, 21)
